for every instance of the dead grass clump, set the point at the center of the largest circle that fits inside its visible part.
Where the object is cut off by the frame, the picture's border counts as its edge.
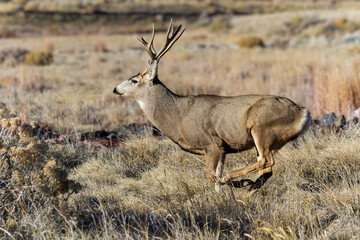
(39, 58)
(250, 42)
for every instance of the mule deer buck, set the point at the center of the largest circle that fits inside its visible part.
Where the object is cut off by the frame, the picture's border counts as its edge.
(213, 125)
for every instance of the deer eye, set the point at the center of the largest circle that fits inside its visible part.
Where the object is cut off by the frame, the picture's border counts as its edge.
(134, 81)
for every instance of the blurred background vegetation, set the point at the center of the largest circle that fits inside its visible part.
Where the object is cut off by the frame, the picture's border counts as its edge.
(77, 13)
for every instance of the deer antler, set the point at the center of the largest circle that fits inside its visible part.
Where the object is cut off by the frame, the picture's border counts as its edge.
(171, 38)
(149, 47)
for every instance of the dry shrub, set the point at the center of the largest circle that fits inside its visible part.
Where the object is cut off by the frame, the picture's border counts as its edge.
(340, 22)
(250, 42)
(39, 58)
(100, 46)
(30, 175)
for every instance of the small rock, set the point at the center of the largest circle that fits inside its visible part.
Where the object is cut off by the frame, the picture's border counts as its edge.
(328, 119)
(352, 38)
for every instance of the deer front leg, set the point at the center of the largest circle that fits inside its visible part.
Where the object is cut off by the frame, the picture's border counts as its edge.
(219, 172)
(213, 168)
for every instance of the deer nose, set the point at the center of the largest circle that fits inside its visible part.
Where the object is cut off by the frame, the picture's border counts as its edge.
(115, 91)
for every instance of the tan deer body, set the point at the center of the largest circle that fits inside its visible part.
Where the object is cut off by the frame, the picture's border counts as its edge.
(215, 125)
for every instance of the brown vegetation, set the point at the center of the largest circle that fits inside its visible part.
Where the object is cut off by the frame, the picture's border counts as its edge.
(39, 58)
(250, 42)
(146, 187)
(30, 175)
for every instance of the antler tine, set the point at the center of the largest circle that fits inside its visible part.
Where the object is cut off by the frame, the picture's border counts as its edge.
(151, 43)
(170, 29)
(149, 47)
(170, 40)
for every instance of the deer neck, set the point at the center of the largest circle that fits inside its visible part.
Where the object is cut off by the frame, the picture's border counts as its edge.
(162, 107)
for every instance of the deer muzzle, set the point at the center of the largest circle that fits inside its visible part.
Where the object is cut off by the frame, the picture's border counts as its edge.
(116, 92)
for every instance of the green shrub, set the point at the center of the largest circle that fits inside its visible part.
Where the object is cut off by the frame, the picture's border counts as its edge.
(39, 58)
(250, 42)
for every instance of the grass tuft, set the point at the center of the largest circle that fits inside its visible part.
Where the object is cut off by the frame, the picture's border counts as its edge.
(39, 58)
(250, 42)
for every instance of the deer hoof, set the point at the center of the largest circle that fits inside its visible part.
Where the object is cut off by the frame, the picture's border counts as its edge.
(223, 180)
(218, 185)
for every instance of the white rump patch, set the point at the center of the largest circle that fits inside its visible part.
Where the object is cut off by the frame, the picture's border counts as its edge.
(305, 122)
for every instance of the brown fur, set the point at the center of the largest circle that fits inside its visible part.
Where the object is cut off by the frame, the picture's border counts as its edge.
(214, 125)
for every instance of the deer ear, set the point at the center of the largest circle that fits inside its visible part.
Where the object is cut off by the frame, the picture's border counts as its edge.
(152, 70)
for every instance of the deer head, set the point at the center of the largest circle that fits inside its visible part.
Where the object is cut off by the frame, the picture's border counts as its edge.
(137, 85)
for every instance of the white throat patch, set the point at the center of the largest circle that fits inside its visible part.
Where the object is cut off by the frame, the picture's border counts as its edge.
(142, 104)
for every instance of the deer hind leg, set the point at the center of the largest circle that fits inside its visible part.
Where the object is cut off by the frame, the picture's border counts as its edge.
(263, 176)
(264, 163)
(266, 173)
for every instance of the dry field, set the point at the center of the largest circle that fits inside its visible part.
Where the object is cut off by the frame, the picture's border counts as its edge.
(148, 188)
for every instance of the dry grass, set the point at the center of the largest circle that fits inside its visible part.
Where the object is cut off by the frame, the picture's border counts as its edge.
(313, 193)
(149, 188)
